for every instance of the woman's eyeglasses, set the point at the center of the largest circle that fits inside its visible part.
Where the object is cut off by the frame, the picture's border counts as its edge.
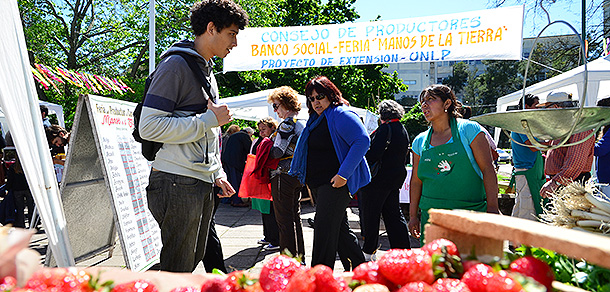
(275, 106)
(318, 97)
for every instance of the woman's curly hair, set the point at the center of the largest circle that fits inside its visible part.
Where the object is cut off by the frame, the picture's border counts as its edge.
(270, 122)
(287, 97)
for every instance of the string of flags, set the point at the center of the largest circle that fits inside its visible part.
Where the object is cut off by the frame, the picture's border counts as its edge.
(51, 77)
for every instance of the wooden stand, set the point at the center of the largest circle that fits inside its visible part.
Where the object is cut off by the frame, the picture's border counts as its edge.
(487, 233)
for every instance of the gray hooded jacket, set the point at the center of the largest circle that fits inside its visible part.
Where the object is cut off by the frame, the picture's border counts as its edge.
(173, 97)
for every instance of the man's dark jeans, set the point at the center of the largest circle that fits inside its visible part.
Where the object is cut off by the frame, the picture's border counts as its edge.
(183, 207)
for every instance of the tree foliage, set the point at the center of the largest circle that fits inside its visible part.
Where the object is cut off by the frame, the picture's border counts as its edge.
(499, 78)
(111, 38)
(82, 34)
(414, 121)
(595, 33)
(459, 78)
(359, 84)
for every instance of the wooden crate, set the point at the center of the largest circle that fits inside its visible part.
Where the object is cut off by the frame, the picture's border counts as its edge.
(488, 233)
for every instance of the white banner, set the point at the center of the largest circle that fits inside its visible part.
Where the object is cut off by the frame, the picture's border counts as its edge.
(477, 35)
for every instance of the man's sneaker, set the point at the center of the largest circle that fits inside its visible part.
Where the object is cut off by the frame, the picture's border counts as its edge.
(262, 242)
(271, 247)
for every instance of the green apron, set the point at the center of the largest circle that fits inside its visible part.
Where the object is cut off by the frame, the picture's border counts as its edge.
(535, 180)
(449, 180)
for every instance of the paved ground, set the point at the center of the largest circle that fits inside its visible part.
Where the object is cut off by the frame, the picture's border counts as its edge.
(239, 230)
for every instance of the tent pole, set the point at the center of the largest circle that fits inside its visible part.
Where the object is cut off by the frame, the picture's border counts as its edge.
(151, 36)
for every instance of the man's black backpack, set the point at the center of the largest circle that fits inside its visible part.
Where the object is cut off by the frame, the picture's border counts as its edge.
(150, 148)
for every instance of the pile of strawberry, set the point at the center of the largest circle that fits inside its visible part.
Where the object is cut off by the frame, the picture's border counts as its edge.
(437, 266)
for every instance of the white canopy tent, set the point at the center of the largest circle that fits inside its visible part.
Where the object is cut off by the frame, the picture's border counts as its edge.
(56, 109)
(19, 99)
(598, 86)
(254, 106)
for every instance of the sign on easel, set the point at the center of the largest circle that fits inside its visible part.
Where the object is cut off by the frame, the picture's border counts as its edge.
(105, 171)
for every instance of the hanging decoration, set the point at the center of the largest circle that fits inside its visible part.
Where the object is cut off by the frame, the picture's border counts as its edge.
(50, 77)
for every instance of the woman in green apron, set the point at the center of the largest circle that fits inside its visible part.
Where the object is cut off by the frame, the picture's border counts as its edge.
(452, 162)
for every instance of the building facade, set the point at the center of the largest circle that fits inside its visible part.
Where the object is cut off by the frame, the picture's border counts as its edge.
(423, 74)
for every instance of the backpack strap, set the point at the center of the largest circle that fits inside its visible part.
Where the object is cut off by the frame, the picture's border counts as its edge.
(192, 63)
(150, 148)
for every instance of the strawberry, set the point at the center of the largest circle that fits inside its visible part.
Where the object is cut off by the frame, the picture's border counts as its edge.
(277, 271)
(467, 264)
(446, 259)
(256, 287)
(326, 281)
(470, 260)
(302, 281)
(477, 277)
(59, 279)
(449, 285)
(534, 268)
(418, 286)
(317, 279)
(8, 283)
(237, 281)
(372, 288)
(342, 283)
(135, 286)
(185, 289)
(435, 247)
(215, 284)
(402, 266)
(368, 273)
(502, 281)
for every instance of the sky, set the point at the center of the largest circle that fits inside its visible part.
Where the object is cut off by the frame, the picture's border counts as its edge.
(399, 9)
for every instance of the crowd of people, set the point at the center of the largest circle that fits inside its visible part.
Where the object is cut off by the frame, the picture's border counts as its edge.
(14, 186)
(330, 155)
(538, 175)
(453, 168)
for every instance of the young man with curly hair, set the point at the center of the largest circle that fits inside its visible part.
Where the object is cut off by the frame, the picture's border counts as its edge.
(185, 169)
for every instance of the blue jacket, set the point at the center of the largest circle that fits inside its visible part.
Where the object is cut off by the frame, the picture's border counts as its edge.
(350, 141)
(602, 151)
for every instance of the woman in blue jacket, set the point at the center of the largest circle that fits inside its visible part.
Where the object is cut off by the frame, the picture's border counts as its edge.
(329, 158)
(602, 153)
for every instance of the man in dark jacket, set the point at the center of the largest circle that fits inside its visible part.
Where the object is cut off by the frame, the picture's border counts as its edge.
(234, 160)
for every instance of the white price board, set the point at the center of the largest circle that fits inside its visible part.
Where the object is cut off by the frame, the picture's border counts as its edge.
(127, 174)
